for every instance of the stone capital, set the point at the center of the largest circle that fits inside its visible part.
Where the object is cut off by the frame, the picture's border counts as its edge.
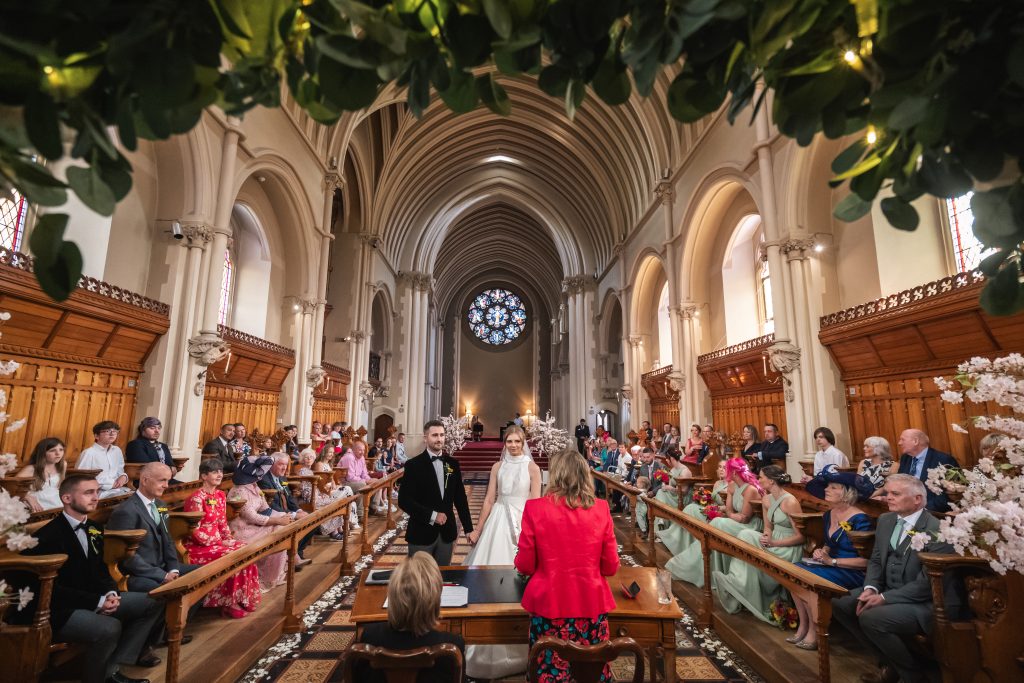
(796, 249)
(417, 280)
(315, 376)
(370, 240)
(207, 349)
(785, 359)
(664, 191)
(333, 181)
(685, 310)
(676, 381)
(197, 234)
(577, 283)
(635, 340)
(358, 336)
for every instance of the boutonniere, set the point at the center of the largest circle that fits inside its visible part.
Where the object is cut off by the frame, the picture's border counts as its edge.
(284, 482)
(94, 535)
(162, 511)
(919, 540)
(211, 501)
(447, 473)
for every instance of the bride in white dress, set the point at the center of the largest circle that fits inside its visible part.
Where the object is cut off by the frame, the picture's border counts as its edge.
(515, 479)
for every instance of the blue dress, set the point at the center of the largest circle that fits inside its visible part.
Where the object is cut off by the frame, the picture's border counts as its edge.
(840, 546)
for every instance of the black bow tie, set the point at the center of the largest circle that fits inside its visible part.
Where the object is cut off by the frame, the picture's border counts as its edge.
(436, 457)
(82, 525)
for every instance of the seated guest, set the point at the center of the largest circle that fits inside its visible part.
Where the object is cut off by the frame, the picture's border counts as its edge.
(376, 449)
(918, 459)
(675, 537)
(669, 495)
(665, 439)
(896, 600)
(736, 515)
(212, 539)
(877, 463)
(223, 447)
(106, 456)
(291, 444)
(751, 443)
(277, 478)
(837, 560)
(827, 453)
(773, 449)
(707, 435)
(334, 527)
(317, 437)
(46, 466)
(86, 607)
(241, 443)
(358, 478)
(414, 609)
(400, 457)
(648, 468)
(147, 447)
(745, 586)
(256, 519)
(567, 595)
(694, 446)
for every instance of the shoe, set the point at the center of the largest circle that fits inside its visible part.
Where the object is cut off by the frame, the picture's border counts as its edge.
(148, 659)
(354, 527)
(794, 639)
(185, 640)
(302, 562)
(118, 677)
(804, 645)
(885, 674)
(234, 612)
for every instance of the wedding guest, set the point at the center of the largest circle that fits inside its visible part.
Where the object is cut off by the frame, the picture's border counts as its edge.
(212, 539)
(877, 463)
(694, 446)
(989, 444)
(647, 433)
(241, 443)
(256, 519)
(358, 478)
(291, 445)
(582, 433)
(400, 456)
(222, 446)
(669, 495)
(675, 537)
(649, 467)
(707, 435)
(567, 595)
(919, 459)
(827, 453)
(669, 438)
(376, 449)
(317, 437)
(751, 442)
(106, 456)
(896, 600)
(86, 607)
(837, 559)
(773, 449)
(46, 466)
(414, 610)
(276, 479)
(147, 446)
(326, 494)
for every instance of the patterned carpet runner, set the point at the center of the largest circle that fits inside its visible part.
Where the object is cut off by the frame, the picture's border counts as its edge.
(313, 654)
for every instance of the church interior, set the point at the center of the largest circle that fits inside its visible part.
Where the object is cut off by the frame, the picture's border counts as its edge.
(614, 271)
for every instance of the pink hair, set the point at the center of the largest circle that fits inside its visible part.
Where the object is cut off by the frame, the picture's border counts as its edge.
(734, 466)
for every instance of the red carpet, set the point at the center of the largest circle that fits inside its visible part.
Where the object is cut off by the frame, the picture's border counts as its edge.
(479, 456)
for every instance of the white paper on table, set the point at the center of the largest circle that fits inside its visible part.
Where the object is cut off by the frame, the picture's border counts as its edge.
(451, 596)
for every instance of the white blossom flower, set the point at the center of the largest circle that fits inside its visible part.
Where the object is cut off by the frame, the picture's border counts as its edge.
(16, 425)
(24, 597)
(19, 541)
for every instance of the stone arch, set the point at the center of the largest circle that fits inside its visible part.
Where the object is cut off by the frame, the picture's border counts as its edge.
(649, 283)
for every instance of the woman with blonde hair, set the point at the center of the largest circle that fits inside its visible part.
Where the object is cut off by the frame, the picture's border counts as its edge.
(567, 546)
(414, 608)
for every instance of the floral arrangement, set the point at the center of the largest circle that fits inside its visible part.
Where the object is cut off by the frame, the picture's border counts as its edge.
(783, 615)
(456, 431)
(988, 521)
(661, 475)
(544, 437)
(702, 496)
(712, 511)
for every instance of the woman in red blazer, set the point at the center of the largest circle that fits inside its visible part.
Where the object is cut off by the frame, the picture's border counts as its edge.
(567, 547)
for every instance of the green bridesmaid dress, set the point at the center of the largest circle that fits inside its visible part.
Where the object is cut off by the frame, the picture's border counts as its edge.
(744, 586)
(688, 565)
(675, 537)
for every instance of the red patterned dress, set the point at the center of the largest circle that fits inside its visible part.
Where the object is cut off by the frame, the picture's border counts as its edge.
(211, 540)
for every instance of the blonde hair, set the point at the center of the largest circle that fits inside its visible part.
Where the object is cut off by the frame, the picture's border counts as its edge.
(414, 595)
(514, 429)
(643, 483)
(570, 480)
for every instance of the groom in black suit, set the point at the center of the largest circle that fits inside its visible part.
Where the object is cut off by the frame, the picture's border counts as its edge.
(431, 488)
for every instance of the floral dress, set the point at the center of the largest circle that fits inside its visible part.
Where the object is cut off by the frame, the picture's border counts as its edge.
(212, 540)
(876, 474)
(334, 524)
(550, 667)
(251, 524)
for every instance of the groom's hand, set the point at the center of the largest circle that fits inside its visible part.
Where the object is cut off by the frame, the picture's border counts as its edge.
(440, 519)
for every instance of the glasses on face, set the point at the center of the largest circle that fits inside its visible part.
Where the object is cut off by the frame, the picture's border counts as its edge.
(111, 431)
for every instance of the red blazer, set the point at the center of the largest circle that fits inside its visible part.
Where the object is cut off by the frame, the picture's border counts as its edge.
(567, 553)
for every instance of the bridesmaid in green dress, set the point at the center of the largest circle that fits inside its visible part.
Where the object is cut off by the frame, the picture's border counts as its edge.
(669, 495)
(675, 537)
(737, 515)
(742, 585)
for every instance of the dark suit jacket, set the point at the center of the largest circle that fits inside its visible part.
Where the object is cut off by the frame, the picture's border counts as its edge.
(143, 450)
(382, 635)
(156, 554)
(225, 452)
(937, 502)
(648, 470)
(419, 496)
(283, 501)
(773, 453)
(81, 581)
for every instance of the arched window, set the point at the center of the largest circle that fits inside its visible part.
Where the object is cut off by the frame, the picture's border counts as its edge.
(12, 220)
(664, 331)
(766, 312)
(225, 288)
(967, 250)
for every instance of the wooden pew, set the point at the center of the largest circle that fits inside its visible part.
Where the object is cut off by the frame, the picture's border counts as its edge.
(25, 650)
(387, 485)
(631, 493)
(189, 589)
(119, 546)
(873, 507)
(790, 575)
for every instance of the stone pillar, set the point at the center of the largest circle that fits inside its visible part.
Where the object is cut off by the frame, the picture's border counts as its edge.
(683, 377)
(417, 337)
(578, 290)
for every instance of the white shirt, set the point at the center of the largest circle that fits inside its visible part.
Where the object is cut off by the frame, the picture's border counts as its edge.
(110, 460)
(83, 539)
(438, 466)
(400, 452)
(829, 456)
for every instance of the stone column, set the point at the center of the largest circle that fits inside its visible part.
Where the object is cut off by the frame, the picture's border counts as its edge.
(683, 377)
(417, 313)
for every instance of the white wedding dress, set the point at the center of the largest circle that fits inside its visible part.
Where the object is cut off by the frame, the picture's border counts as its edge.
(497, 545)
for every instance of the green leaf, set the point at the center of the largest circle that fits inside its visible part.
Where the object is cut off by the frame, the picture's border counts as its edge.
(42, 125)
(554, 79)
(611, 82)
(691, 98)
(908, 113)
(995, 222)
(900, 214)
(990, 264)
(46, 237)
(851, 208)
(469, 38)
(90, 188)
(1003, 294)
(347, 88)
(493, 95)
(849, 156)
(460, 96)
(500, 16)
(60, 278)
(35, 182)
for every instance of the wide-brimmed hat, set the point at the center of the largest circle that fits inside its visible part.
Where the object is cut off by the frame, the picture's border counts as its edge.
(830, 474)
(251, 469)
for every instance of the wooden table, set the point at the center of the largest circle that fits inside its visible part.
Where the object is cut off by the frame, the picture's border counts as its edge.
(651, 625)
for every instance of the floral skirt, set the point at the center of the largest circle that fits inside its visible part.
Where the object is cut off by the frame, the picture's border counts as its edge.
(550, 667)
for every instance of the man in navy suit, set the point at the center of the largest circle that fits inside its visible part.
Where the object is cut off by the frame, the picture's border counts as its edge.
(86, 606)
(147, 447)
(918, 459)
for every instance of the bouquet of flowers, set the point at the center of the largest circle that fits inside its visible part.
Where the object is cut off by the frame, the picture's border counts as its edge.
(712, 511)
(544, 437)
(988, 521)
(702, 496)
(456, 431)
(661, 475)
(783, 615)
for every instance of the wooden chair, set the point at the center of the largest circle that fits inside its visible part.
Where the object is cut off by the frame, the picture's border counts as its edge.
(399, 666)
(586, 661)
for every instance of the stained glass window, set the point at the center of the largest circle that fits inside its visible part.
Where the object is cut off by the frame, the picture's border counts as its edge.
(225, 288)
(967, 250)
(12, 220)
(497, 316)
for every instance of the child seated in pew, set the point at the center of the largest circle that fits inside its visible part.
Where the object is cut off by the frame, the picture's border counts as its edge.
(644, 484)
(47, 467)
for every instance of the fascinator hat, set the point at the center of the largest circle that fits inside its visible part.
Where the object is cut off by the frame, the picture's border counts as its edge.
(830, 474)
(251, 469)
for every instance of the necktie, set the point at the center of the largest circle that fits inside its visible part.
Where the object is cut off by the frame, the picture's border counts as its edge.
(897, 531)
(918, 466)
(153, 511)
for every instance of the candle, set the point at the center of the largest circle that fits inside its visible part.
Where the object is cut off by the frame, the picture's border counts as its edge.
(227, 366)
(764, 363)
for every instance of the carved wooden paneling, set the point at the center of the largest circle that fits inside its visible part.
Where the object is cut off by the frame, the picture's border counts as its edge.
(330, 398)
(743, 387)
(888, 351)
(254, 408)
(664, 399)
(81, 358)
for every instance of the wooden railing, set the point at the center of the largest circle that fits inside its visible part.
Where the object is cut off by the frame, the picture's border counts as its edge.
(790, 575)
(25, 650)
(386, 485)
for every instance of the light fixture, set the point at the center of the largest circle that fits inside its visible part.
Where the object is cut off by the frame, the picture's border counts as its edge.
(819, 248)
(850, 57)
(872, 136)
(261, 178)
(500, 159)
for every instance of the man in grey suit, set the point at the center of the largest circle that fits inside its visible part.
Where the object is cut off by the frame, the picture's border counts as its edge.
(648, 466)
(896, 600)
